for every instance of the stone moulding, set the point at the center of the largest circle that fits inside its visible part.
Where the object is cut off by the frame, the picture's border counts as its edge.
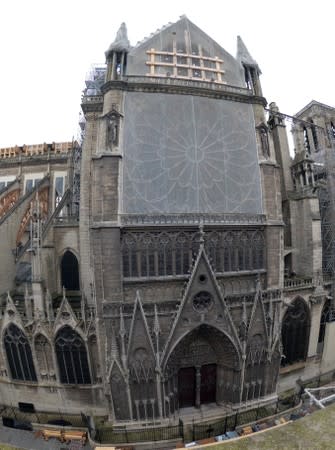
(92, 103)
(185, 87)
(192, 219)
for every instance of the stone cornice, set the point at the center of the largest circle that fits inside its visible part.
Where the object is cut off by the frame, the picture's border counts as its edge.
(37, 160)
(184, 87)
(192, 219)
(107, 155)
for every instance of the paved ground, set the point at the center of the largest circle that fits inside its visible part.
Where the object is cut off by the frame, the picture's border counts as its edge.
(27, 440)
(312, 432)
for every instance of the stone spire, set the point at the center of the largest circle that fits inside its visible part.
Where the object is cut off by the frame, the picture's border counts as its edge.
(116, 55)
(244, 56)
(122, 333)
(121, 42)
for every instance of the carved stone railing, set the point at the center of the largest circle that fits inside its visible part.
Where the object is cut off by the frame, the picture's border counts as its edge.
(275, 295)
(192, 219)
(92, 99)
(28, 151)
(292, 283)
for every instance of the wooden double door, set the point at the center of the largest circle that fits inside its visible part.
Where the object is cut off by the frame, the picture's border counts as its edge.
(197, 385)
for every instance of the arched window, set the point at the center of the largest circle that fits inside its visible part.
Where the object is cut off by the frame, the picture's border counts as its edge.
(323, 320)
(314, 135)
(307, 145)
(165, 255)
(228, 249)
(295, 332)
(129, 256)
(19, 355)
(183, 253)
(70, 271)
(214, 250)
(243, 251)
(332, 126)
(72, 357)
(258, 250)
(148, 255)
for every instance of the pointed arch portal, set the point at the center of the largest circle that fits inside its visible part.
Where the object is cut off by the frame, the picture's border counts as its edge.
(202, 368)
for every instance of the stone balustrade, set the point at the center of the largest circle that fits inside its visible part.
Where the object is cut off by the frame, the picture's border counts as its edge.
(34, 150)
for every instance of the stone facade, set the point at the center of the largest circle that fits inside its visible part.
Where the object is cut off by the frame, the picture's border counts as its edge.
(169, 259)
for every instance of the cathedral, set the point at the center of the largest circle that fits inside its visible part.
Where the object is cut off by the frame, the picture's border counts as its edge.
(177, 255)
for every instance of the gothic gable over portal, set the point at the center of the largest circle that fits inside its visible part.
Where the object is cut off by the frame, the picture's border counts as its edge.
(203, 307)
(182, 50)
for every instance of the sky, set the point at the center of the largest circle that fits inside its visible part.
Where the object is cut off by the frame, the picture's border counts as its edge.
(47, 47)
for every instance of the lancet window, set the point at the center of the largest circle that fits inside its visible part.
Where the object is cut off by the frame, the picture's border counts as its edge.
(72, 357)
(315, 136)
(171, 253)
(307, 145)
(70, 271)
(332, 126)
(19, 354)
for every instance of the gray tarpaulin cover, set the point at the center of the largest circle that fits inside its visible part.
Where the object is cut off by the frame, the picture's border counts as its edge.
(184, 153)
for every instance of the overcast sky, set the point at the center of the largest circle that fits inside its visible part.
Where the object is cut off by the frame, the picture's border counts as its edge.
(47, 47)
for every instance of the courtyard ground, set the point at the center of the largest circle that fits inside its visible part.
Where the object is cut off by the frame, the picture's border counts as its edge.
(313, 432)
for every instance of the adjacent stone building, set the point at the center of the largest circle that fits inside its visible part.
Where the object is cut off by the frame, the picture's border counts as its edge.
(176, 257)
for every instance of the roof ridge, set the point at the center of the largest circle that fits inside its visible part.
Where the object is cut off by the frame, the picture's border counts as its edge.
(154, 33)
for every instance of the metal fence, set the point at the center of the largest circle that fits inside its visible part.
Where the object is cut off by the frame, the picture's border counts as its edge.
(122, 436)
(186, 432)
(229, 423)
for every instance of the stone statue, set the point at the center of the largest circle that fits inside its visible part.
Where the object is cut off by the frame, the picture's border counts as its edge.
(112, 132)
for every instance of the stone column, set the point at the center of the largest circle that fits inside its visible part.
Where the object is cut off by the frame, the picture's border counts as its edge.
(328, 355)
(315, 327)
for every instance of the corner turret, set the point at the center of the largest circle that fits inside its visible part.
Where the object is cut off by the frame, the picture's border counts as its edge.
(250, 66)
(116, 55)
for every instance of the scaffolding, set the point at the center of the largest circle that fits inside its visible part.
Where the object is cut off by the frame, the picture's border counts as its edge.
(319, 397)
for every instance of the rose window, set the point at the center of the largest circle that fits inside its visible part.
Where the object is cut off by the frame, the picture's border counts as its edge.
(203, 301)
